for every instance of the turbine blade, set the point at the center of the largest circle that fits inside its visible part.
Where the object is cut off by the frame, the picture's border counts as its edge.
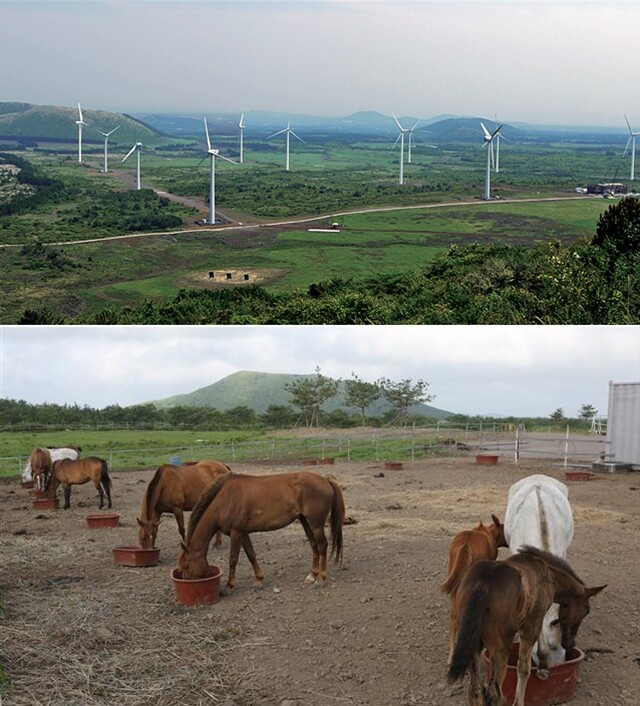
(80, 114)
(398, 123)
(397, 139)
(206, 130)
(111, 133)
(628, 124)
(202, 160)
(241, 119)
(294, 134)
(226, 159)
(276, 133)
(496, 131)
(130, 152)
(624, 154)
(416, 125)
(487, 134)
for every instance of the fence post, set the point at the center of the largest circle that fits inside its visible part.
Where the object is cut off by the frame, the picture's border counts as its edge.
(233, 451)
(273, 449)
(413, 449)
(566, 447)
(517, 446)
(348, 448)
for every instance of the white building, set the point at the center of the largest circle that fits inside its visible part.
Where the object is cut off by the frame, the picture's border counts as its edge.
(623, 424)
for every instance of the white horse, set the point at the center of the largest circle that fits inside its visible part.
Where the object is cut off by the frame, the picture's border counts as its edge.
(539, 514)
(56, 455)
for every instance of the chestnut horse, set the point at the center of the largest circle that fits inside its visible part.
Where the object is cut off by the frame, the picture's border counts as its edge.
(238, 505)
(496, 600)
(467, 547)
(174, 489)
(68, 472)
(41, 462)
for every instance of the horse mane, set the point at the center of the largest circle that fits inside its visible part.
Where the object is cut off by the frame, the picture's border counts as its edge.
(553, 559)
(204, 501)
(153, 483)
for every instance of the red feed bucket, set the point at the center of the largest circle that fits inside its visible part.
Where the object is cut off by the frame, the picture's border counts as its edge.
(393, 465)
(487, 460)
(27, 484)
(135, 556)
(577, 475)
(45, 503)
(326, 461)
(559, 687)
(204, 591)
(37, 494)
(310, 462)
(105, 519)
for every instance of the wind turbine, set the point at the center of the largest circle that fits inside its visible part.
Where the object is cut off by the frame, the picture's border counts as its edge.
(289, 132)
(499, 136)
(401, 138)
(213, 154)
(411, 129)
(106, 139)
(135, 148)
(241, 127)
(488, 142)
(632, 141)
(80, 123)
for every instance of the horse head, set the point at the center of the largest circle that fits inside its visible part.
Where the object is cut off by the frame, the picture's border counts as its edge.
(190, 566)
(497, 532)
(574, 608)
(147, 533)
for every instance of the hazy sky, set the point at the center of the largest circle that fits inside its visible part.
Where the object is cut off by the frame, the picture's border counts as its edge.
(542, 61)
(476, 370)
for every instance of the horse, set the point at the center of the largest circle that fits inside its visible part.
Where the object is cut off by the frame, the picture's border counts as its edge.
(496, 600)
(174, 489)
(38, 467)
(238, 505)
(466, 548)
(539, 514)
(70, 472)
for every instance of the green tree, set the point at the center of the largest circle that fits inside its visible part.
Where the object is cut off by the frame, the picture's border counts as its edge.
(558, 415)
(618, 230)
(587, 411)
(308, 394)
(279, 416)
(404, 394)
(361, 394)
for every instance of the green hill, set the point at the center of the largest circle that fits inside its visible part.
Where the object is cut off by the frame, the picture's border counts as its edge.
(259, 390)
(53, 122)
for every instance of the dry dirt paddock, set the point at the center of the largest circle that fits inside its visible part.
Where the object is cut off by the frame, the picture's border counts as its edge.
(79, 630)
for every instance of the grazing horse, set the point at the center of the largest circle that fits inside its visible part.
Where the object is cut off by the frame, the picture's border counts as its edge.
(174, 489)
(38, 467)
(69, 472)
(539, 514)
(466, 548)
(496, 600)
(238, 505)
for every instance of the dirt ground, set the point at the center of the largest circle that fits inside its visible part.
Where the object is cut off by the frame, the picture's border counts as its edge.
(78, 630)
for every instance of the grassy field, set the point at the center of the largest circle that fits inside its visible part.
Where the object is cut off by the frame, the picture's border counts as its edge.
(327, 177)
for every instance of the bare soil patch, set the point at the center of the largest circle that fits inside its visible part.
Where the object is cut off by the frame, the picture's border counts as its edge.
(80, 631)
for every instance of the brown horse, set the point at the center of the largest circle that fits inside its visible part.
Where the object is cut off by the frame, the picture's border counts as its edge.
(238, 505)
(496, 600)
(68, 472)
(40, 467)
(467, 547)
(174, 489)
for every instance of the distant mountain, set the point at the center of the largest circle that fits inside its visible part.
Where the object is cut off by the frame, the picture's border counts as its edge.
(468, 129)
(259, 390)
(52, 122)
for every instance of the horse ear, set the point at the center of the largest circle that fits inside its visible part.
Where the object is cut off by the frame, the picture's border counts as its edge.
(140, 522)
(496, 521)
(596, 589)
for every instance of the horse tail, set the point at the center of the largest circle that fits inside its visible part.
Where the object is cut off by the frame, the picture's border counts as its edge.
(469, 638)
(461, 562)
(203, 503)
(337, 518)
(104, 475)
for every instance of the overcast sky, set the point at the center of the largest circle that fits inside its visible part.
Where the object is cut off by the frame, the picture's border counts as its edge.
(541, 61)
(513, 370)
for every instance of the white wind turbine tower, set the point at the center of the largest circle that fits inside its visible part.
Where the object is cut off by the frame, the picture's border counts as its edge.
(289, 132)
(80, 123)
(631, 141)
(488, 142)
(135, 148)
(499, 136)
(241, 127)
(411, 129)
(106, 139)
(401, 138)
(213, 154)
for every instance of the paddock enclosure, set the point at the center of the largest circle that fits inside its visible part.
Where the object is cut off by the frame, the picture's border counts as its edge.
(78, 630)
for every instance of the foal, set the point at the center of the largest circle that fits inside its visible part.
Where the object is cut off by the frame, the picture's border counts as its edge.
(69, 472)
(466, 548)
(498, 599)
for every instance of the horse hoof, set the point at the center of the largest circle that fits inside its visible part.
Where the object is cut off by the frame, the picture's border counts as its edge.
(310, 579)
(258, 585)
